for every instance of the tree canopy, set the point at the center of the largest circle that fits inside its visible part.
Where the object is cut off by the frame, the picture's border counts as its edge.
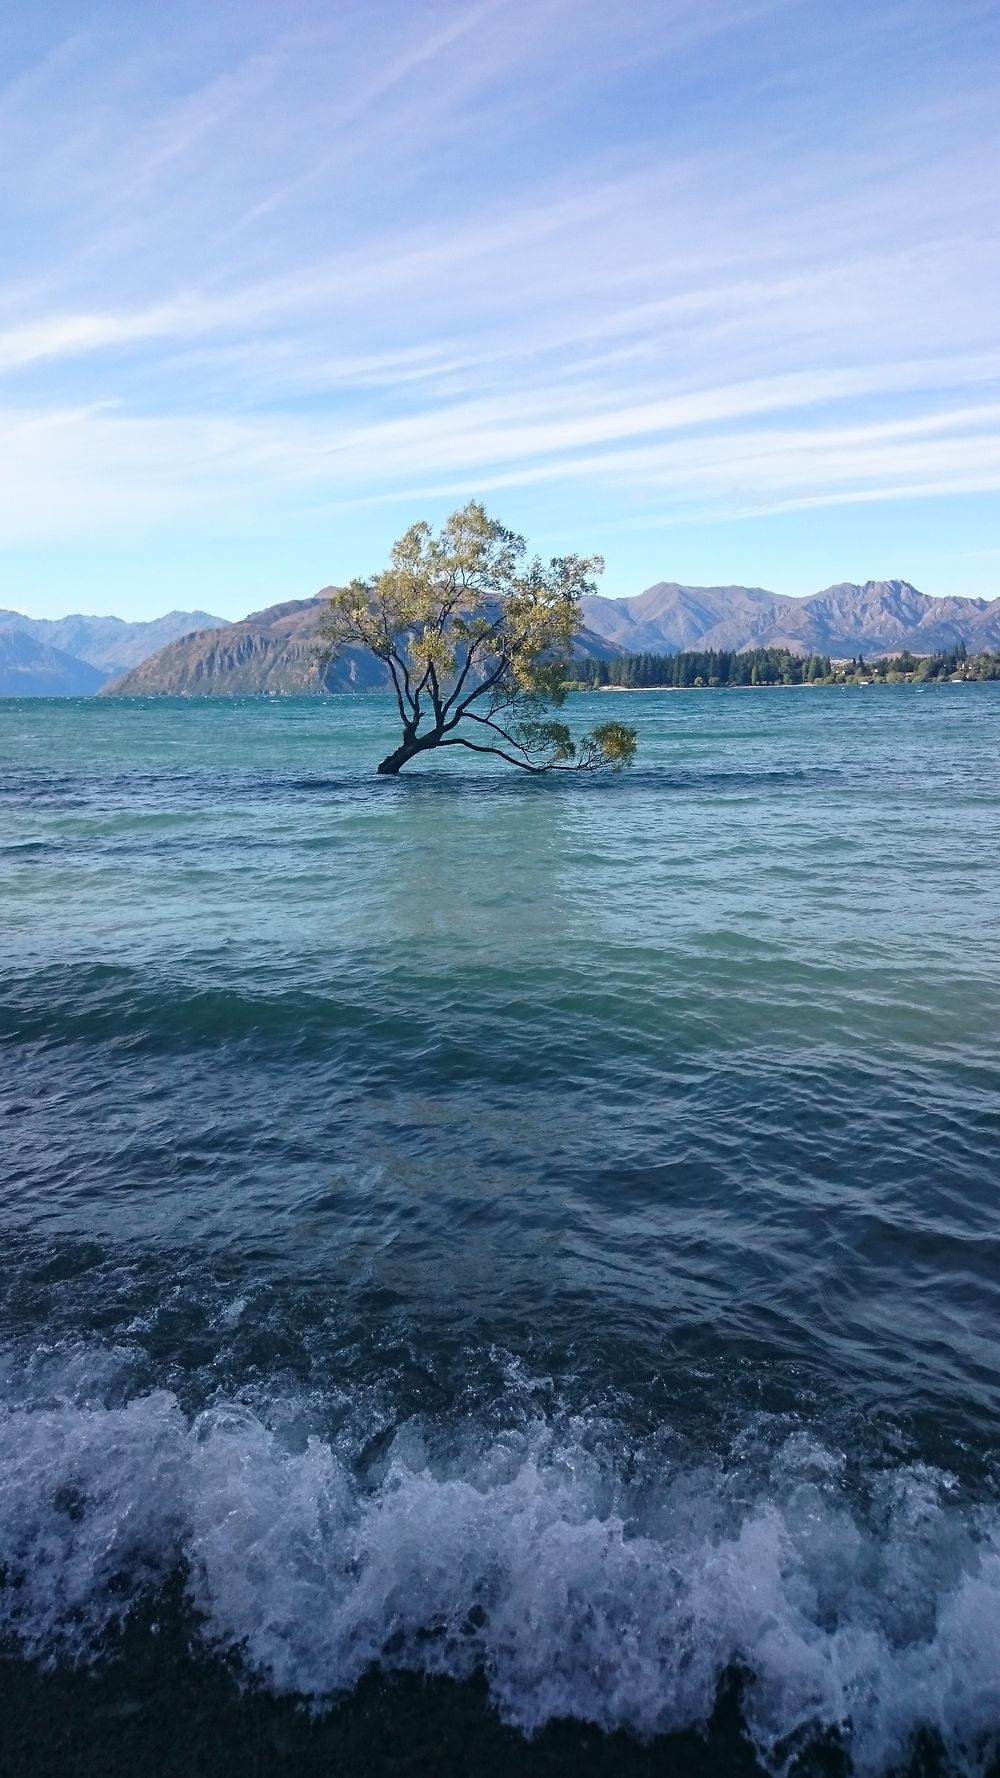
(478, 636)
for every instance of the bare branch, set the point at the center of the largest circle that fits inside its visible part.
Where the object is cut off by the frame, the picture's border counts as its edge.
(399, 695)
(526, 765)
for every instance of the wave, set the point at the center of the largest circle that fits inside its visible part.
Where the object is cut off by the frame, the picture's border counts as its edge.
(863, 1612)
(182, 789)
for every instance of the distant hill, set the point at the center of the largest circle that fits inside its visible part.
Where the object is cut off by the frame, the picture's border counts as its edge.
(277, 650)
(842, 620)
(881, 615)
(32, 669)
(110, 643)
(669, 617)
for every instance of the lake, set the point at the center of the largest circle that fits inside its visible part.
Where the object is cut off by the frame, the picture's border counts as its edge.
(501, 1273)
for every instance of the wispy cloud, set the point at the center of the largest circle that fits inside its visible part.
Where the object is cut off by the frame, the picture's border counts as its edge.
(738, 259)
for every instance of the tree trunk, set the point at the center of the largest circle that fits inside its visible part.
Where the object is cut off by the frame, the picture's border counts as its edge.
(393, 762)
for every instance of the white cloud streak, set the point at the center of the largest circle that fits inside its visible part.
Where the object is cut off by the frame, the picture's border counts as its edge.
(292, 271)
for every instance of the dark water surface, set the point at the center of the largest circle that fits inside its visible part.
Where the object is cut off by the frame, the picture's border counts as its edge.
(539, 1235)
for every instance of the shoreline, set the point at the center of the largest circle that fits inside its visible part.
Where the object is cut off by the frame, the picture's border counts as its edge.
(781, 685)
(776, 685)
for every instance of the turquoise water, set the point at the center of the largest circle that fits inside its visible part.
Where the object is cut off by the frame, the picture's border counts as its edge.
(512, 1265)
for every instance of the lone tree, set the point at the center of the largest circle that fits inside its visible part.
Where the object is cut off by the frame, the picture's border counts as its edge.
(477, 636)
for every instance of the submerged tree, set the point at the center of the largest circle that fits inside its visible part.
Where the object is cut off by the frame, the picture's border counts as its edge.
(476, 635)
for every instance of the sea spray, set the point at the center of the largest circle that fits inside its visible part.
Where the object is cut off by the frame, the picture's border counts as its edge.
(868, 1613)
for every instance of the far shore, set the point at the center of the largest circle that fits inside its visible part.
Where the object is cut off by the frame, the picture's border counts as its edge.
(774, 685)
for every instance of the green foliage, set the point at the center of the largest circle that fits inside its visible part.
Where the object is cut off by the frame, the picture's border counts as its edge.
(553, 738)
(778, 666)
(614, 743)
(474, 632)
(928, 669)
(708, 667)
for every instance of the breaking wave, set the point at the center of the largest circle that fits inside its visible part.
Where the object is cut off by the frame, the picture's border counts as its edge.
(579, 1582)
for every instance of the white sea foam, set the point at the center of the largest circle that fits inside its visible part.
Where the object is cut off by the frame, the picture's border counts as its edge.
(523, 1558)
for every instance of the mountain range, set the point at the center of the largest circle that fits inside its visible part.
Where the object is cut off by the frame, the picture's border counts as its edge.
(75, 656)
(33, 669)
(190, 653)
(881, 616)
(277, 650)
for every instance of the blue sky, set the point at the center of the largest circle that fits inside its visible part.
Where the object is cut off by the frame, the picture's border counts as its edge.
(709, 286)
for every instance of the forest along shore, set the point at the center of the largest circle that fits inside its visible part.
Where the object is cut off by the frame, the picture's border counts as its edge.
(701, 669)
